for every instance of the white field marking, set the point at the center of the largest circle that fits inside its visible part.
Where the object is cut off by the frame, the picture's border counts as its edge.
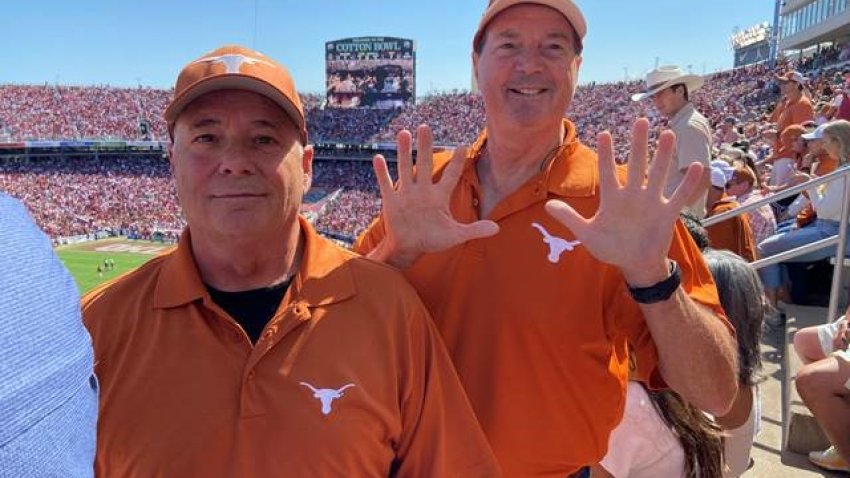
(150, 250)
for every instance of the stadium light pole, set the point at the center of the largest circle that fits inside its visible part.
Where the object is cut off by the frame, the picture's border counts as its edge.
(774, 34)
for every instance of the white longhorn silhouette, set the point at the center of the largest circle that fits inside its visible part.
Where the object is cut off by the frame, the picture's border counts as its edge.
(557, 246)
(232, 62)
(327, 395)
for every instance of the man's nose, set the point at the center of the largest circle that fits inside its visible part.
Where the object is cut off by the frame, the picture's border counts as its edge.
(237, 160)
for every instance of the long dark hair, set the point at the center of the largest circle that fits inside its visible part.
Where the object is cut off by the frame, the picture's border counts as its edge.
(701, 438)
(741, 297)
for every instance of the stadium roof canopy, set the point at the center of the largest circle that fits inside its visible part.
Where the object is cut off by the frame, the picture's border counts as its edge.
(806, 23)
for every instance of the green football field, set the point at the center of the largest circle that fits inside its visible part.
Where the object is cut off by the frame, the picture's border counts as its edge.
(82, 260)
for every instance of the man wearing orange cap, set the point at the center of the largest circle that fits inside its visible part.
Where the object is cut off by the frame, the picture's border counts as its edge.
(258, 348)
(540, 308)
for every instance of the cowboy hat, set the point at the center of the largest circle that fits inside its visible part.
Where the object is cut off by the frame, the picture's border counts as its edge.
(665, 77)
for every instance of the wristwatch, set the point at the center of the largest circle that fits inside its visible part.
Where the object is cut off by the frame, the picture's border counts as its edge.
(660, 291)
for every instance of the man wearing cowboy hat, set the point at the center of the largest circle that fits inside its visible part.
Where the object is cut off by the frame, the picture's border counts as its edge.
(670, 89)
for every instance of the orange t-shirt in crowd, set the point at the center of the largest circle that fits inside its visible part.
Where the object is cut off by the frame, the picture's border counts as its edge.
(536, 326)
(349, 378)
(823, 165)
(733, 234)
(797, 112)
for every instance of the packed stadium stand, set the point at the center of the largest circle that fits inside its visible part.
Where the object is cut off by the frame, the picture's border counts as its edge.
(89, 162)
(82, 193)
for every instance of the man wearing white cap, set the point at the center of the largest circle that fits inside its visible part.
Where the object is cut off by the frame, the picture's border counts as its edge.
(529, 252)
(670, 89)
(733, 234)
(795, 107)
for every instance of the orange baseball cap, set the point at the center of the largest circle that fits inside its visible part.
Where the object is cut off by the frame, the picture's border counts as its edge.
(233, 67)
(568, 8)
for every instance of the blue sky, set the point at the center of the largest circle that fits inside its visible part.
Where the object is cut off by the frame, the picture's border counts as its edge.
(126, 42)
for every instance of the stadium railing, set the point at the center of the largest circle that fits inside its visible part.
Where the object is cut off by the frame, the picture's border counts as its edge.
(842, 174)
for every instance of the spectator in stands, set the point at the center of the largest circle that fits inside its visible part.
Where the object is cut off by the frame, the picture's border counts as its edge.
(795, 108)
(48, 393)
(821, 164)
(289, 335)
(827, 203)
(741, 296)
(786, 158)
(819, 342)
(728, 133)
(741, 186)
(732, 234)
(670, 89)
(823, 386)
(475, 273)
(841, 102)
(661, 435)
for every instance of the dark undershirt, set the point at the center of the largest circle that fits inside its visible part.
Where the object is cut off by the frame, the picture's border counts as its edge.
(252, 309)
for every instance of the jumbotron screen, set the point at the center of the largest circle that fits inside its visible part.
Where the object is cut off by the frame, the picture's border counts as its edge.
(371, 72)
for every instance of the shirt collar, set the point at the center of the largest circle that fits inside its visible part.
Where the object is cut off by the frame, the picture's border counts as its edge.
(683, 113)
(323, 278)
(572, 173)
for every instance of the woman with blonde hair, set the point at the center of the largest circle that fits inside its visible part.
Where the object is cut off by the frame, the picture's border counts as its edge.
(823, 381)
(827, 203)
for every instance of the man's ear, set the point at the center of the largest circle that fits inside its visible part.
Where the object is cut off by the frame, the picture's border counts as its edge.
(475, 67)
(169, 153)
(307, 166)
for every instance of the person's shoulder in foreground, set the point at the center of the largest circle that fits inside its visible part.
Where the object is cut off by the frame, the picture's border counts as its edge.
(48, 396)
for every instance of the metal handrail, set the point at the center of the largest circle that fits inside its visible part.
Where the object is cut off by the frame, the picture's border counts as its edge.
(842, 173)
(812, 183)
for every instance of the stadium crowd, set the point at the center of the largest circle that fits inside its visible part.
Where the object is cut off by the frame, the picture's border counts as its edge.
(80, 196)
(52, 112)
(771, 129)
(746, 96)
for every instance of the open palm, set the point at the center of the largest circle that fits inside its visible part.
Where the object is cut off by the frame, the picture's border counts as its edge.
(416, 210)
(633, 227)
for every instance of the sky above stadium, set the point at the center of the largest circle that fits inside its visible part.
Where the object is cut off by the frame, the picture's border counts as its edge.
(125, 43)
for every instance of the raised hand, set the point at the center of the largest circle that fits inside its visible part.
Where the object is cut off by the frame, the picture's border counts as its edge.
(416, 213)
(633, 227)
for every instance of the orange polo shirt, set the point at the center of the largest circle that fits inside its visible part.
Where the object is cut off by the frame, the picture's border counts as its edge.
(539, 333)
(348, 379)
(734, 234)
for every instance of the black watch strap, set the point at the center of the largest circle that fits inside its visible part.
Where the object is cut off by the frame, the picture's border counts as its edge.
(660, 291)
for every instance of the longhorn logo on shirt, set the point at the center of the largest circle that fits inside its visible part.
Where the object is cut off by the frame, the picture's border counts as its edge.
(232, 62)
(327, 395)
(557, 246)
